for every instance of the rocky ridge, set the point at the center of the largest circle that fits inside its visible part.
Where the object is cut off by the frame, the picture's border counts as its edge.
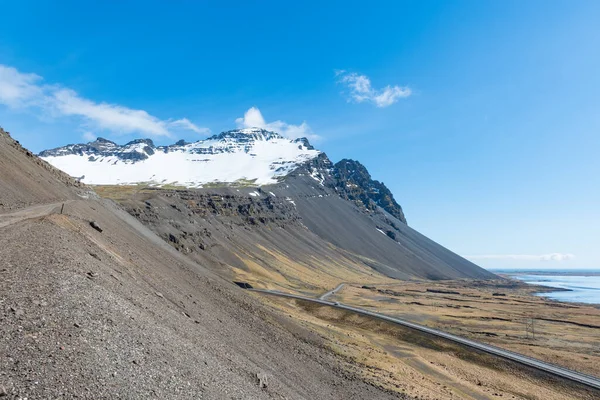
(349, 178)
(141, 149)
(351, 181)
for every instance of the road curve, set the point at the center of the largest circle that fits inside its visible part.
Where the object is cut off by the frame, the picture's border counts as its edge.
(588, 380)
(331, 292)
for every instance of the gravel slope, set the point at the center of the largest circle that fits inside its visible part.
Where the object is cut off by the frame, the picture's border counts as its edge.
(395, 249)
(26, 180)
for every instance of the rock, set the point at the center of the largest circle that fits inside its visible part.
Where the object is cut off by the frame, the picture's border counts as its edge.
(92, 275)
(17, 311)
(3, 391)
(76, 325)
(391, 235)
(262, 380)
(244, 285)
(159, 294)
(94, 225)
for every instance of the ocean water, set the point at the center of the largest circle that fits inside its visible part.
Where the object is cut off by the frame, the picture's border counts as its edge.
(583, 287)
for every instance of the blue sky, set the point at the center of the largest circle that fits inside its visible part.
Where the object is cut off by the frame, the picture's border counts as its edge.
(483, 117)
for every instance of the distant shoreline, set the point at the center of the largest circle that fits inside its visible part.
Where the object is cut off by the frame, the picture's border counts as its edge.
(559, 272)
(573, 286)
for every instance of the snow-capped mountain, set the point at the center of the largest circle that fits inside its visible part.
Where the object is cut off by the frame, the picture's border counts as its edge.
(246, 155)
(312, 202)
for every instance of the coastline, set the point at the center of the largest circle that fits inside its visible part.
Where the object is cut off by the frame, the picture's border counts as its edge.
(573, 286)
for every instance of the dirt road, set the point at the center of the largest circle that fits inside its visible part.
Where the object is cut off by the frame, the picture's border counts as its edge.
(31, 212)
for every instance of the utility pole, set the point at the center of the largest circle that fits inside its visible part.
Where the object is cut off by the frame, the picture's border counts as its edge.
(529, 327)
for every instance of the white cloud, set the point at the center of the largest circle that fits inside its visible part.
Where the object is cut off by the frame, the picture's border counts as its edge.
(524, 257)
(89, 136)
(185, 123)
(111, 117)
(20, 90)
(254, 119)
(17, 89)
(361, 90)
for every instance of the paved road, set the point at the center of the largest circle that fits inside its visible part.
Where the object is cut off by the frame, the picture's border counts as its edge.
(30, 212)
(331, 292)
(587, 380)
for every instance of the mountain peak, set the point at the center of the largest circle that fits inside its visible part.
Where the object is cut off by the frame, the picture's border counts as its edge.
(147, 142)
(247, 134)
(102, 140)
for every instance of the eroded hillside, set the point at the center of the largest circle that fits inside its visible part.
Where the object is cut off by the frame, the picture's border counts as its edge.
(300, 234)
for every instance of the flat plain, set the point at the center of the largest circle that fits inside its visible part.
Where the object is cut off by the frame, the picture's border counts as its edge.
(499, 313)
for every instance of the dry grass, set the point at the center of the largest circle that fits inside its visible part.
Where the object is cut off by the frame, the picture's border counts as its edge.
(415, 364)
(565, 334)
(313, 277)
(121, 192)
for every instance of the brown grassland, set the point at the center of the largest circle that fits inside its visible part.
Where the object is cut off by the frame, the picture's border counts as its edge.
(425, 367)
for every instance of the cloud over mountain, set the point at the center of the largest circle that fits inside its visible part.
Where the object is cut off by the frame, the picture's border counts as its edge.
(27, 91)
(253, 119)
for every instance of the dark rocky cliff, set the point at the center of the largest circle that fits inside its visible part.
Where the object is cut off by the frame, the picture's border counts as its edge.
(353, 182)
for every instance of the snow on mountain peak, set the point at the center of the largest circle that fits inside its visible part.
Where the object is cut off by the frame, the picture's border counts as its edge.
(242, 155)
(247, 134)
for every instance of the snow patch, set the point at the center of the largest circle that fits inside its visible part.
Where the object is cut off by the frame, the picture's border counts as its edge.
(317, 177)
(259, 157)
(291, 201)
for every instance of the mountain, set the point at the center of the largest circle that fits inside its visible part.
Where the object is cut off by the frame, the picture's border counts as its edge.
(122, 314)
(255, 156)
(248, 155)
(250, 199)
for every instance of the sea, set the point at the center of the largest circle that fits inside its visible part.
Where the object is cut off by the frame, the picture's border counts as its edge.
(582, 286)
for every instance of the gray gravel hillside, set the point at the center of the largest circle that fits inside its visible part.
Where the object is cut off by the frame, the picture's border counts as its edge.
(26, 179)
(299, 219)
(400, 251)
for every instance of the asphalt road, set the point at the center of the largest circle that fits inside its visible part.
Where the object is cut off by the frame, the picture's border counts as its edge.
(587, 380)
(326, 295)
